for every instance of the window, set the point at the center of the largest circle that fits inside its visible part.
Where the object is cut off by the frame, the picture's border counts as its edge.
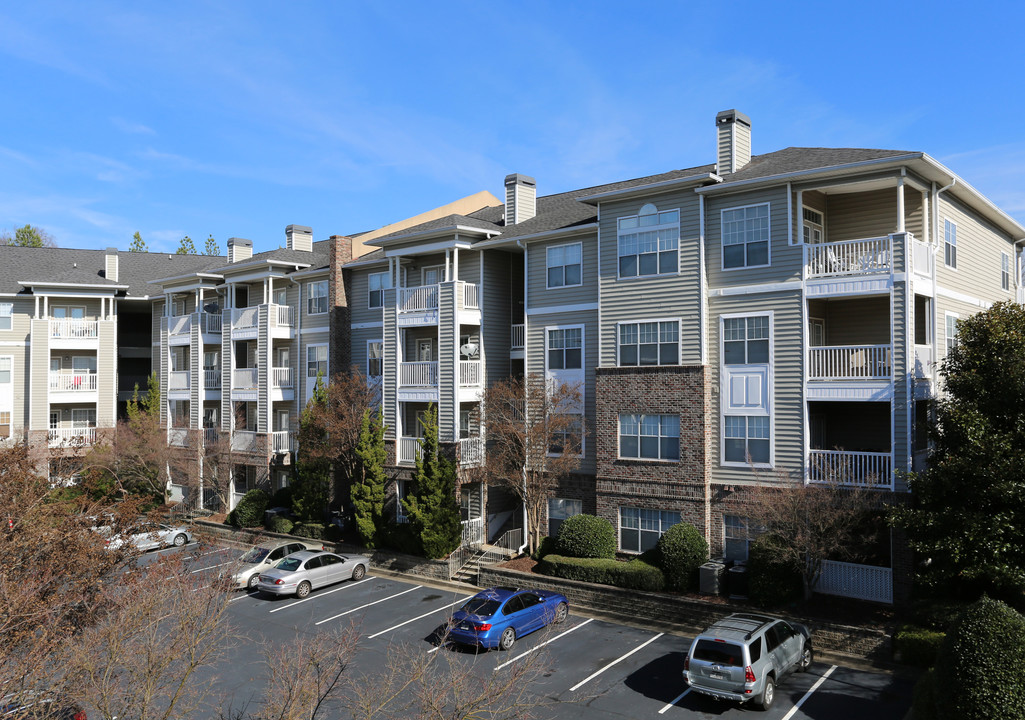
(568, 435)
(316, 361)
(6, 314)
(640, 528)
(1005, 271)
(746, 340)
(6, 365)
(464, 424)
(432, 275)
(649, 343)
(177, 308)
(83, 418)
(560, 510)
(736, 537)
(950, 336)
(949, 244)
(378, 283)
(564, 265)
(745, 236)
(5, 423)
(401, 492)
(281, 421)
(812, 226)
(746, 437)
(649, 437)
(565, 349)
(375, 358)
(649, 242)
(280, 296)
(316, 297)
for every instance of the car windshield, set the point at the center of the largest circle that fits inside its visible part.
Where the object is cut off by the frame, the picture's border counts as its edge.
(289, 564)
(720, 653)
(480, 606)
(255, 555)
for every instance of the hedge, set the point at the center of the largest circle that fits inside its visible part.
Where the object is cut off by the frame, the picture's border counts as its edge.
(587, 536)
(633, 575)
(917, 646)
(681, 551)
(314, 531)
(250, 509)
(770, 580)
(280, 524)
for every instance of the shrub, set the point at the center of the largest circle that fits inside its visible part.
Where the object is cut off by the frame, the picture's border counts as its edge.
(917, 646)
(400, 537)
(587, 536)
(547, 546)
(633, 575)
(333, 533)
(681, 550)
(250, 509)
(979, 666)
(924, 698)
(282, 497)
(314, 531)
(280, 524)
(771, 581)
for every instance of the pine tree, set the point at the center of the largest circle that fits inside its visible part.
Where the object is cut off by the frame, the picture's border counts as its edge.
(211, 246)
(187, 247)
(432, 509)
(138, 244)
(368, 484)
(311, 490)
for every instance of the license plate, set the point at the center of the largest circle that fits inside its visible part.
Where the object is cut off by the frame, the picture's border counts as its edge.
(717, 675)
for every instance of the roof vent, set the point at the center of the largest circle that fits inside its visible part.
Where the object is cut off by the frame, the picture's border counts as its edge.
(733, 141)
(520, 198)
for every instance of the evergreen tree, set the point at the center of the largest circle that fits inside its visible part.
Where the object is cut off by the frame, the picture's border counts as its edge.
(368, 484)
(432, 509)
(28, 236)
(187, 247)
(138, 244)
(311, 489)
(211, 246)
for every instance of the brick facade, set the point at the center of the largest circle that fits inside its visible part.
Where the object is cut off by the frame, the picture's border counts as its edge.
(339, 288)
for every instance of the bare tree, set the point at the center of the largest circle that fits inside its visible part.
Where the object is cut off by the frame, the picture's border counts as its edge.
(333, 430)
(534, 433)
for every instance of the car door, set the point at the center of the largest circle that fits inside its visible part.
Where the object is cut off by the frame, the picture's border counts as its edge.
(790, 644)
(145, 537)
(513, 615)
(313, 571)
(533, 612)
(333, 569)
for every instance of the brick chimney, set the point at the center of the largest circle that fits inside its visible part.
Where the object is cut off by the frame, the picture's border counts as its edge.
(339, 289)
(733, 141)
(239, 249)
(520, 198)
(299, 237)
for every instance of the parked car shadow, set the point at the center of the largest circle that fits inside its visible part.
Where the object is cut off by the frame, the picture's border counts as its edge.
(661, 679)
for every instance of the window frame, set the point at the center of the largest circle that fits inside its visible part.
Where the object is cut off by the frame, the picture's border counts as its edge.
(549, 267)
(742, 534)
(950, 338)
(326, 360)
(7, 359)
(582, 439)
(379, 359)
(549, 331)
(371, 305)
(949, 244)
(647, 228)
(640, 457)
(679, 341)
(767, 408)
(6, 316)
(768, 238)
(661, 531)
(311, 297)
(1005, 272)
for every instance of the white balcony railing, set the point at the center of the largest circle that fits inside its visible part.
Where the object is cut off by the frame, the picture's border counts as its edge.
(473, 531)
(245, 378)
(418, 374)
(862, 582)
(242, 318)
(417, 299)
(471, 452)
(518, 333)
(862, 469)
(409, 450)
(211, 437)
(178, 380)
(245, 441)
(72, 437)
(922, 258)
(849, 362)
(180, 325)
(282, 315)
(74, 329)
(211, 378)
(471, 296)
(72, 382)
(211, 322)
(849, 257)
(282, 377)
(281, 441)
(178, 437)
(469, 372)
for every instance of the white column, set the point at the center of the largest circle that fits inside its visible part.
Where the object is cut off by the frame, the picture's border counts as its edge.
(455, 263)
(448, 254)
(900, 205)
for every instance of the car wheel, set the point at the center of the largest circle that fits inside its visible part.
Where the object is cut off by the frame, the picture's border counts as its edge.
(768, 693)
(561, 613)
(508, 638)
(303, 590)
(253, 581)
(806, 658)
(179, 540)
(358, 572)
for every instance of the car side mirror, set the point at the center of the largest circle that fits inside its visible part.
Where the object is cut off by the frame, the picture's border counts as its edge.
(267, 561)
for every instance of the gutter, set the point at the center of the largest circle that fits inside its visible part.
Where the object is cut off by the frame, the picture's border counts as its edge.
(523, 471)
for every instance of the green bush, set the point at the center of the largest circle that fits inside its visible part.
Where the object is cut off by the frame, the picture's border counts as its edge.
(314, 531)
(633, 575)
(280, 524)
(924, 698)
(681, 550)
(771, 581)
(400, 537)
(547, 546)
(333, 533)
(282, 497)
(587, 536)
(979, 666)
(917, 646)
(250, 509)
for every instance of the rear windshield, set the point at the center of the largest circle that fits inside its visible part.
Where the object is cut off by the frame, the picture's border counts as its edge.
(255, 555)
(289, 564)
(480, 606)
(720, 653)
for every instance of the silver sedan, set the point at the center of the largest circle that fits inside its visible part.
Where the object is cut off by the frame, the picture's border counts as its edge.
(301, 572)
(147, 536)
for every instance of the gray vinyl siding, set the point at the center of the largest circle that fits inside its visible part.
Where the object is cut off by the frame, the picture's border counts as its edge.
(540, 295)
(903, 402)
(309, 322)
(17, 345)
(390, 335)
(787, 395)
(361, 293)
(854, 320)
(855, 216)
(652, 297)
(497, 310)
(469, 266)
(106, 379)
(360, 338)
(978, 255)
(305, 383)
(785, 260)
(446, 353)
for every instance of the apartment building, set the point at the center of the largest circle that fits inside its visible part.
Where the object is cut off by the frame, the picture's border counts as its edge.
(759, 315)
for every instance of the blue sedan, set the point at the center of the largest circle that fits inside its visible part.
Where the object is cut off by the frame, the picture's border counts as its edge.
(494, 618)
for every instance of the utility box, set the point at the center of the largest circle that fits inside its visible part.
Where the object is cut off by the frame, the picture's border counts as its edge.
(712, 578)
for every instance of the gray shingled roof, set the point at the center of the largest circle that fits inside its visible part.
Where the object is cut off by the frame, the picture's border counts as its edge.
(320, 257)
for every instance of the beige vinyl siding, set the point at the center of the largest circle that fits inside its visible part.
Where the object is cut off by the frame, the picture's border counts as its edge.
(784, 260)
(654, 296)
(854, 216)
(978, 255)
(106, 379)
(39, 368)
(503, 283)
(786, 428)
(17, 345)
(538, 293)
(360, 289)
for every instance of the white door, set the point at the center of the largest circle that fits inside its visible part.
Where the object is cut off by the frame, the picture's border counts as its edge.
(425, 350)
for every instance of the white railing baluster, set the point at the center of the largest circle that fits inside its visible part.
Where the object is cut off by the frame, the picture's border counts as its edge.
(849, 362)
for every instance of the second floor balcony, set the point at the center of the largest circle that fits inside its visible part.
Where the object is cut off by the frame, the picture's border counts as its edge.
(72, 437)
(245, 321)
(73, 381)
(245, 378)
(471, 451)
(860, 469)
(425, 374)
(74, 332)
(868, 256)
(178, 380)
(850, 362)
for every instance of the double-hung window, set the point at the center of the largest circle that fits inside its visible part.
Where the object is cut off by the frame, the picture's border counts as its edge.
(316, 361)
(564, 264)
(950, 334)
(316, 297)
(560, 510)
(649, 437)
(745, 236)
(746, 438)
(649, 243)
(567, 435)
(565, 349)
(375, 359)
(950, 244)
(640, 528)
(1005, 271)
(6, 316)
(378, 283)
(736, 537)
(746, 340)
(649, 343)
(746, 383)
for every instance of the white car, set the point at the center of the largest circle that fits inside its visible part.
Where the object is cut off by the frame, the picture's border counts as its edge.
(263, 557)
(148, 536)
(304, 571)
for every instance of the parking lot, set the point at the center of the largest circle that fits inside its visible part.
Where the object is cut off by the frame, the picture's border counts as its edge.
(594, 668)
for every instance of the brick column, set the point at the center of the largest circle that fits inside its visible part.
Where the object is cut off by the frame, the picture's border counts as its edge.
(338, 291)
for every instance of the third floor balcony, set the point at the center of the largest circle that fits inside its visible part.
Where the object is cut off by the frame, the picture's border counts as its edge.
(850, 362)
(420, 305)
(425, 374)
(245, 322)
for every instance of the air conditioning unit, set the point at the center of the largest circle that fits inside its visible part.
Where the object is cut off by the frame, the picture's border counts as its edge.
(469, 349)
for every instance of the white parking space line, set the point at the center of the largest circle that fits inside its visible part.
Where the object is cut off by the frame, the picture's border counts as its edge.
(807, 695)
(614, 662)
(244, 596)
(541, 645)
(679, 697)
(320, 595)
(349, 612)
(418, 617)
(227, 562)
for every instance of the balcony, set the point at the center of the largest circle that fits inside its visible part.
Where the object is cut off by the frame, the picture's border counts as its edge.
(282, 441)
(74, 332)
(850, 362)
(281, 315)
(408, 450)
(516, 341)
(471, 296)
(181, 325)
(282, 377)
(72, 437)
(470, 372)
(178, 380)
(245, 319)
(73, 382)
(245, 441)
(245, 378)
(417, 299)
(211, 378)
(178, 437)
(860, 469)
(210, 323)
(849, 257)
(418, 374)
(471, 452)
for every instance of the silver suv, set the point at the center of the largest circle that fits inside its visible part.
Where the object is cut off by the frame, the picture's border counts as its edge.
(743, 656)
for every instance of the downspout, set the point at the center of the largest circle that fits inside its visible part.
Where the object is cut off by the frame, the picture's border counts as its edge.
(523, 469)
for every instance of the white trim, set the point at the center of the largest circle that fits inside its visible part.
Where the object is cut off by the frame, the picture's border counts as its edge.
(579, 307)
(756, 289)
(355, 326)
(722, 239)
(896, 161)
(946, 325)
(549, 248)
(440, 268)
(432, 247)
(679, 339)
(386, 286)
(25, 343)
(664, 186)
(641, 458)
(953, 245)
(367, 357)
(305, 295)
(962, 297)
(790, 214)
(568, 232)
(316, 330)
(769, 390)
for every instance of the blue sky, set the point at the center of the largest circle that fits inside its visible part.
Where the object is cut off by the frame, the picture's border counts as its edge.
(239, 118)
